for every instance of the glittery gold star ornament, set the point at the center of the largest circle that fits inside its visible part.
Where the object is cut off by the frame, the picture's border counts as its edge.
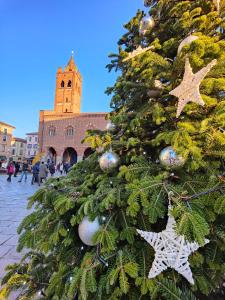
(188, 90)
(217, 4)
(171, 250)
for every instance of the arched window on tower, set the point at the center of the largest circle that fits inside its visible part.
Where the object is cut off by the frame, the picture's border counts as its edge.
(62, 84)
(69, 83)
(51, 131)
(69, 131)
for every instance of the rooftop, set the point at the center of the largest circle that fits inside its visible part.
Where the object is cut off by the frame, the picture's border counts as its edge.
(5, 124)
(16, 139)
(32, 133)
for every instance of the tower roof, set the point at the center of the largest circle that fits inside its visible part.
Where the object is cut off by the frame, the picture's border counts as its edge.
(71, 64)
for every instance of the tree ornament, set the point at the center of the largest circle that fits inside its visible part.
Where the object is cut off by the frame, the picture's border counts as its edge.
(147, 3)
(136, 52)
(156, 91)
(188, 90)
(217, 4)
(87, 230)
(146, 24)
(171, 250)
(99, 149)
(169, 158)
(108, 161)
(110, 126)
(188, 40)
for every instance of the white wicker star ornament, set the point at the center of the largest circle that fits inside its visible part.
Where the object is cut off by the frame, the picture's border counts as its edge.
(188, 90)
(171, 250)
(137, 52)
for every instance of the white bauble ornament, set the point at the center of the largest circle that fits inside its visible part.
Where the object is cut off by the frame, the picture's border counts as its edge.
(110, 126)
(188, 40)
(146, 24)
(108, 161)
(87, 230)
(169, 158)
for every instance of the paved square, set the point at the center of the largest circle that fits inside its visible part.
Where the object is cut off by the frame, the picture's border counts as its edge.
(13, 203)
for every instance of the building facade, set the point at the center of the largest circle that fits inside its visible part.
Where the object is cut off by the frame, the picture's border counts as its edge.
(62, 130)
(6, 132)
(18, 149)
(32, 145)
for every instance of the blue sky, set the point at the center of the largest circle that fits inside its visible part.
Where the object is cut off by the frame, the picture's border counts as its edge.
(37, 37)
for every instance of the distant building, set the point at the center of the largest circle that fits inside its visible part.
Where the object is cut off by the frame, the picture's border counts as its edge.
(62, 130)
(32, 145)
(18, 149)
(6, 132)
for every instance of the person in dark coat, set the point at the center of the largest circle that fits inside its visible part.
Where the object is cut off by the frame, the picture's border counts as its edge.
(35, 172)
(17, 168)
(52, 168)
(66, 167)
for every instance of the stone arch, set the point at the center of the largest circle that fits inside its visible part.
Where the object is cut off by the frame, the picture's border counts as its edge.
(69, 84)
(62, 84)
(88, 151)
(52, 154)
(70, 156)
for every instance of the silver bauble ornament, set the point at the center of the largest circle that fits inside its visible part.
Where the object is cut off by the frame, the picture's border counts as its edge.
(156, 91)
(110, 126)
(188, 40)
(109, 161)
(169, 158)
(146, 24)
(87, 230)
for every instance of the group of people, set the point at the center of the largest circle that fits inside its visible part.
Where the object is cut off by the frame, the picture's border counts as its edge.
(40, 170)
(13, 168)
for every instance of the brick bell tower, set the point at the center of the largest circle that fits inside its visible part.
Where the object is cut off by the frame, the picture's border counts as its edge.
(68, 89)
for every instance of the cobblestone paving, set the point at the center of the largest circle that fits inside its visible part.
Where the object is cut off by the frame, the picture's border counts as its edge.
(13, 202)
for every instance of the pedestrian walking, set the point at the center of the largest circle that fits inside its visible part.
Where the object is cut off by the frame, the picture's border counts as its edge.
(10, 170)
(43, 172)
(17, 168)
(58, 167)
(66, 167)
(35, 172)
(24, 171)
(61, 168)
(52, 168)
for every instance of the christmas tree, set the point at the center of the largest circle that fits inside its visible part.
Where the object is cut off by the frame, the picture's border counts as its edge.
(143, 216)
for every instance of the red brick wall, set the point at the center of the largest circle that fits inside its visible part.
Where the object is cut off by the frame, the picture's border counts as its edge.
(80, 123)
